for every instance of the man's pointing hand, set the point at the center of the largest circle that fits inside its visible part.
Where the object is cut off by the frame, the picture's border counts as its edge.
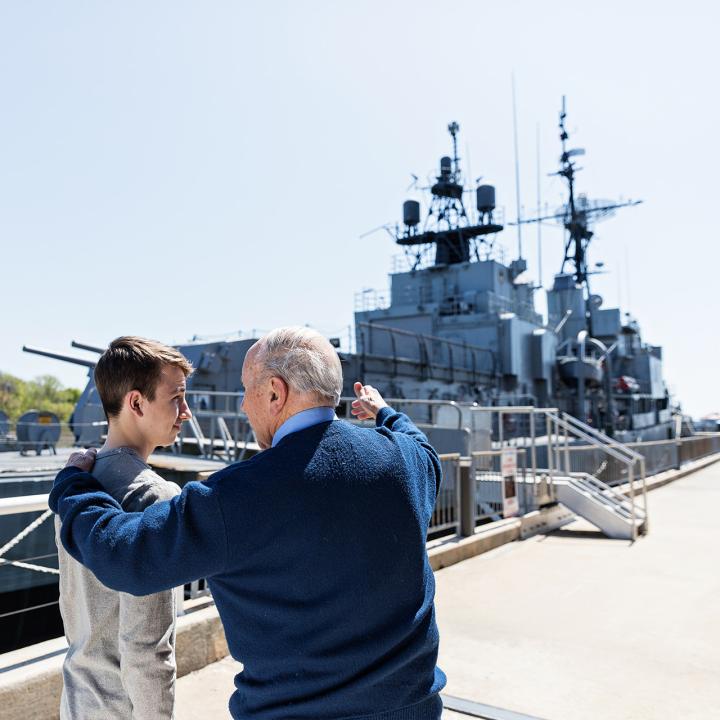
(369, 402)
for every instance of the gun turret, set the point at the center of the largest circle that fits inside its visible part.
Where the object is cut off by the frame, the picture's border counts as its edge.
(89, 348)
(59, 356)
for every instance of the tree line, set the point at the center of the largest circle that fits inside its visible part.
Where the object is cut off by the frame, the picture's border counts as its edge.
(45, 392)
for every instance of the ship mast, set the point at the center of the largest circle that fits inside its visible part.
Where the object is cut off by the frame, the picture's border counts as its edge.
(578, 213)
(579, 235)
(447, 225)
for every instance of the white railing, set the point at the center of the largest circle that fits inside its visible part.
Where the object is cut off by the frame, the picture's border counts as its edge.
(39, 503)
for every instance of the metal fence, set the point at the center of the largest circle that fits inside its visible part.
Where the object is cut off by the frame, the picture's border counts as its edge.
(697, 447)
(488, 485)
(660, 455)
(446, 515)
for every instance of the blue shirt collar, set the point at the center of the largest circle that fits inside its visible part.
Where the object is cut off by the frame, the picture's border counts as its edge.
(302, 420)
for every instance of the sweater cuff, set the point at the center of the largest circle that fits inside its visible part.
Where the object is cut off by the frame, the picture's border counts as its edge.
(383, 415)
(70, 477)
(67, 472)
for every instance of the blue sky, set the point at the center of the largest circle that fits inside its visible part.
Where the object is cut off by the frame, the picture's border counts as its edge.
(180, 169)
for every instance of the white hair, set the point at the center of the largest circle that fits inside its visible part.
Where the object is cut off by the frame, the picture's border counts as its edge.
(304, 359)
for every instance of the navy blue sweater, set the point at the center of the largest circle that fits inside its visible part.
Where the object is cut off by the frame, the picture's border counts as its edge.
(315, 555)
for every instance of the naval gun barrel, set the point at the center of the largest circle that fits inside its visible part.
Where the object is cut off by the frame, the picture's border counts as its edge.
(90, 348)
(59, 356)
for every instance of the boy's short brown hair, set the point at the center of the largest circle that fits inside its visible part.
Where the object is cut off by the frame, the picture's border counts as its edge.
(133, 363)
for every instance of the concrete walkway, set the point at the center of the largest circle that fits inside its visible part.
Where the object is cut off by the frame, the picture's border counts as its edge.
(573, 626)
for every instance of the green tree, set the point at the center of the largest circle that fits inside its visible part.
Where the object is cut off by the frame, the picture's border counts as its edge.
(43, 393)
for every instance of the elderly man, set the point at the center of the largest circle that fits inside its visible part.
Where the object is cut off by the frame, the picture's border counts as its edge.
(314, 549)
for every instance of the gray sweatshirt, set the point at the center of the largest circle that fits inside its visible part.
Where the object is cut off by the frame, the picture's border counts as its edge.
(121, 657)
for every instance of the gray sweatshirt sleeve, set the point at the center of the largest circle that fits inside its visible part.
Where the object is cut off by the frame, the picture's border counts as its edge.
(146, 637)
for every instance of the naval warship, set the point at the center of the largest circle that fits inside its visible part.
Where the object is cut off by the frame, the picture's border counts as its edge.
(460, 324)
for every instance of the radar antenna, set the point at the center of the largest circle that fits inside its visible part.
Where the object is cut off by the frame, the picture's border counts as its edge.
(579, 213)
(447, 225)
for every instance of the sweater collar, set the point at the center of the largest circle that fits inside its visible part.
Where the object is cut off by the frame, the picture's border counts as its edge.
(302, 420)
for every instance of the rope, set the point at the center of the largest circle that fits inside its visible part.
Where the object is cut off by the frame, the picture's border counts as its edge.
(22, 535)
(29, 566)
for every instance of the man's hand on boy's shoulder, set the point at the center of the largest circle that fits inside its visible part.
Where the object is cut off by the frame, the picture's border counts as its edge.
(369, 402)
(82, 459)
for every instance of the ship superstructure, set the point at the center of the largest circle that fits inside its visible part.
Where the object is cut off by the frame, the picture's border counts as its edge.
(460, 323)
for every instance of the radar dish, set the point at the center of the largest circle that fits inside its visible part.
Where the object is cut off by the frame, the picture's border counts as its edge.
(591, 211)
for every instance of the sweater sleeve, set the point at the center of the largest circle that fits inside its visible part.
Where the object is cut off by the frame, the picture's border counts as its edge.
(398, 422)
(167, 545)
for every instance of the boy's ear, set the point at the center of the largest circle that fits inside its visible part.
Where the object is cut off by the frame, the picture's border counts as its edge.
(134, 402)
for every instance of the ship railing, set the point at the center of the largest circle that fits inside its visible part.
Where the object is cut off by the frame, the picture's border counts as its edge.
(370, 299)
(39, 503)
(437, 357)
(407, 262)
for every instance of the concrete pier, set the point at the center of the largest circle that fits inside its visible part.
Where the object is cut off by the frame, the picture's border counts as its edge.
(573, 626)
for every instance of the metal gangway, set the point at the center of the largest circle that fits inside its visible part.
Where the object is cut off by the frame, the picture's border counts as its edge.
(611, 510)
(552, 478)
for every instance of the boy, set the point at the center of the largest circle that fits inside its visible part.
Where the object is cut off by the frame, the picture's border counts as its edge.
(121, 657)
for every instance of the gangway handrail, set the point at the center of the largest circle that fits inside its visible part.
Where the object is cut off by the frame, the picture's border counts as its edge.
(595, 438)
(601, 436)
(635, 457)
(593, 441)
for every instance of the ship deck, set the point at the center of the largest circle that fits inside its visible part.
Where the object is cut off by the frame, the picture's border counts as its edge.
(573, 625)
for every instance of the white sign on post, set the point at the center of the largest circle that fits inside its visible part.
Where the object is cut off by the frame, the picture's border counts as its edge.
(509, 482)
